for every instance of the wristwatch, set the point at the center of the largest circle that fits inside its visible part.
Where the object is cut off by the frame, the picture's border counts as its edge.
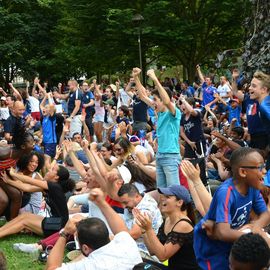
(62, 233)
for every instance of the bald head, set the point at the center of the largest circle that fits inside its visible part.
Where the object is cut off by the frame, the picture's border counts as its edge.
(18, 109)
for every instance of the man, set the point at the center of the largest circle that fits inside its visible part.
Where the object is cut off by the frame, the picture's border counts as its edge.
(15, 119)
(93, 236)
(256, 129)
(74, 106)
(139, 108)
(88, 101)
(224, 92)
(208, 89)
(259, 90)
(131, 198)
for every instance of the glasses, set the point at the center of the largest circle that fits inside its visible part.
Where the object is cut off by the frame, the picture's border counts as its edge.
(260, 168)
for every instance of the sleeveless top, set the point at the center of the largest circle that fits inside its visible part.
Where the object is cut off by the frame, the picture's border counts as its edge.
(184, 258)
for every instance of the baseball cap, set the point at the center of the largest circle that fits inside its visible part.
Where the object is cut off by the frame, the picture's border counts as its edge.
(176, 190)
(113, 86)
(125, 173)
(3, 98)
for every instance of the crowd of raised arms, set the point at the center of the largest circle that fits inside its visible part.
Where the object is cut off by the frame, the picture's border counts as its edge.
(170, 175)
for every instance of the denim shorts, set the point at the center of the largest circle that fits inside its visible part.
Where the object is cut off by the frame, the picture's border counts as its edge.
(167, 169)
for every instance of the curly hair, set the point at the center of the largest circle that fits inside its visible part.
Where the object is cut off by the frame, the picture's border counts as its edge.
(253, 249)
(25, 159)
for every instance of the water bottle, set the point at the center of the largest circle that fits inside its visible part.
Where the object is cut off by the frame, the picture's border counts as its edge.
(142, 135)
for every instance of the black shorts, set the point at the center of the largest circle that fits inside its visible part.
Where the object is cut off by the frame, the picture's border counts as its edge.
(51, 225)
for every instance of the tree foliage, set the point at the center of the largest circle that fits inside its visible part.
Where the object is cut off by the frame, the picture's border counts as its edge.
(67, 38)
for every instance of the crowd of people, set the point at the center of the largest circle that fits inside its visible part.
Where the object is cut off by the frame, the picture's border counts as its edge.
(169, 175)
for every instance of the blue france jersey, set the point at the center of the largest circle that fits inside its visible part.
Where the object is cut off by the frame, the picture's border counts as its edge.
(264, 113)
(227, 206)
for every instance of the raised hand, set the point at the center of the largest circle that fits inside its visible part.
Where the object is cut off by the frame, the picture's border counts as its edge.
(136, 72)
(151, 74)
(85, 144)
(36, 80)
(58, 151)
(190, 171)
(97, 196)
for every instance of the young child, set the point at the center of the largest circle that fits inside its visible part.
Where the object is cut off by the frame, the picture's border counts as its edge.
(230, 210)
(250, 252)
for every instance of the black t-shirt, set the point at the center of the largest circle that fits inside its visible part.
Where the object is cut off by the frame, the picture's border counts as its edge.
(11, 123)
(55, 198)
(193, 127)
(139, 110)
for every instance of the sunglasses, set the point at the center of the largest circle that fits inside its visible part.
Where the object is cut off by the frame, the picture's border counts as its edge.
(117, 149)
(260, 168)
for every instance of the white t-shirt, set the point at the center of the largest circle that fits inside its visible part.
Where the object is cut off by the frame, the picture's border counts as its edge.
(4, 113)
(120, 254)
(224, 91)
(34, 103)
(123, 98)
(147, 205)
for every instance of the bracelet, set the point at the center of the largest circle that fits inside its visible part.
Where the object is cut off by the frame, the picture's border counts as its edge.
(63, 234)
(197, 184)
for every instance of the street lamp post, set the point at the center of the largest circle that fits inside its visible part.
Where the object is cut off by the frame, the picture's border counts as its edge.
(137, 20)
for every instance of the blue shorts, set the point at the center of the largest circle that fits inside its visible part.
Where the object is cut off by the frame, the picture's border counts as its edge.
(50, 149)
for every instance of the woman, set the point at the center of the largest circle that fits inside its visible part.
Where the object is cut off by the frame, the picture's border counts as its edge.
(174, 241)
(99, 114)
(109, 120)
(29, 165)
(55, 184)
(10, 197)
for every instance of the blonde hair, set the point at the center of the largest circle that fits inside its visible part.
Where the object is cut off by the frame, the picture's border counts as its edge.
(263, 78)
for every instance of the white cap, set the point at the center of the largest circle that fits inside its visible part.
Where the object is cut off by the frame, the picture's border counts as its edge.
(3, 98)
(125, 173)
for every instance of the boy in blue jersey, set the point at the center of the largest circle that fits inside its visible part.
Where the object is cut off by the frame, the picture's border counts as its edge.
(208, 90)
(230, 210)
(48, 125)
(168, 127)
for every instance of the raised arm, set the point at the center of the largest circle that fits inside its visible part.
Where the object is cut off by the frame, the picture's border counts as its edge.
(239, 94)
(188, 107)
(141, 90)
(162, 92)
(233, 145)
(4, 93)
(201, 197)
(16, 93)
(115, 222)
(201, 77)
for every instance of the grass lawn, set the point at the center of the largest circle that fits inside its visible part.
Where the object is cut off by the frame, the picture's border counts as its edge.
(16, 259)
(19, 260)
